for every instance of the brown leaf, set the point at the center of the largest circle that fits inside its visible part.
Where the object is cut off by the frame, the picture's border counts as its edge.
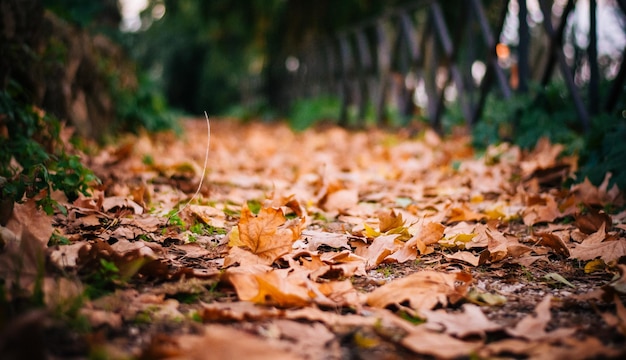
(238, 311)
(591, 221)
(589, 194)
(316, 238)
(543, 156)
(272, 287)
(471, 321)
(267, 235)
(223, 342)
(597, 245)
(463, 213)
(554, 242)
(469, 258)
(541, 209)
(422, 291)
(389, 221)
(341, 200)
(121, 202)
(22, 259)
(442, 346)
(380, 248)
(564, 348)
(533, 327)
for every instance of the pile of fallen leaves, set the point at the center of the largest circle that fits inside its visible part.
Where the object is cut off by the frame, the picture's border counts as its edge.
(326, 244)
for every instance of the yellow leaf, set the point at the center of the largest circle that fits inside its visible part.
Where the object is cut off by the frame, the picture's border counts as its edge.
(233, 237)
(365, 341)
(594, 265)
(389, 221)
(457, 241)
(370, 232)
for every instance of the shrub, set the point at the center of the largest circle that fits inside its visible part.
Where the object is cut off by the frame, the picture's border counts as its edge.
(34, 161)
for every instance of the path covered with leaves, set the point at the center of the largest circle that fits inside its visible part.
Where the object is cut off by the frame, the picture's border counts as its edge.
(327, 244)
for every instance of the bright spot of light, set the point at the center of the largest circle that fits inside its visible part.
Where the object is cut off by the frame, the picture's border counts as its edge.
(130, 10)
(502, 51)
(158, 11)
(478, 71)
(292, 63)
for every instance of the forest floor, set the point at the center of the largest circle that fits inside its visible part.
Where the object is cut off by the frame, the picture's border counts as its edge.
(325, 244)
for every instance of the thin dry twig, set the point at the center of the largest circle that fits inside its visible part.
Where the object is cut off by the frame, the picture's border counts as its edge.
(206, 160)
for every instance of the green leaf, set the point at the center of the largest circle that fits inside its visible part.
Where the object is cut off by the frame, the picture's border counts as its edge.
(558, 278)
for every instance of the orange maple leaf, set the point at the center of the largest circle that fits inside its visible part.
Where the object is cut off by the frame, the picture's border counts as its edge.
(268, 235)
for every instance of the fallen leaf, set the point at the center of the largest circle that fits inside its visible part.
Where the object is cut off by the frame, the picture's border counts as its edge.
(597, 245)
(587, 193)
(469, 258)
(618, 283)
(558, 278)
(591, 221)
(390, 221)
(380, 248)
(223, 342)
(314, 340)
(22, 260)
(555, 243)
(268, 235)
(541, 209)
(533, 327)
(341, 200)
(482, 298)
(273, 287)
(564, 348)
(421, 291)
(443, 346)
(472, 321)
(316, 238)
(463, 213)
(238, 311)
(121, 202)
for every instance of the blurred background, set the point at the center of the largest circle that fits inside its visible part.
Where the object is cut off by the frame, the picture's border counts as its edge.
(515, 70)
(260, 58)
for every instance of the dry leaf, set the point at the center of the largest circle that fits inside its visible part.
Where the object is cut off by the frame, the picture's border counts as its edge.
(442, 346)
(597, 245)
(533, 327)
(380, 248)
(268, 235)
(471, 321)
(468, 257)
(592, 220)
(272, 287)
(316, 238)
(555, 243)
(422, 291)
(223, 342)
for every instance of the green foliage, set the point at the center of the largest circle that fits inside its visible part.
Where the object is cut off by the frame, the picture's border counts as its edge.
(606, 152)
(174, 219)
(203, 54)
(143, 108)
(254, 206)
(78, 12)
(306, 112)
(526, 118)
(549, 112)
(33, 158)
(103, 280)
(58, 239)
